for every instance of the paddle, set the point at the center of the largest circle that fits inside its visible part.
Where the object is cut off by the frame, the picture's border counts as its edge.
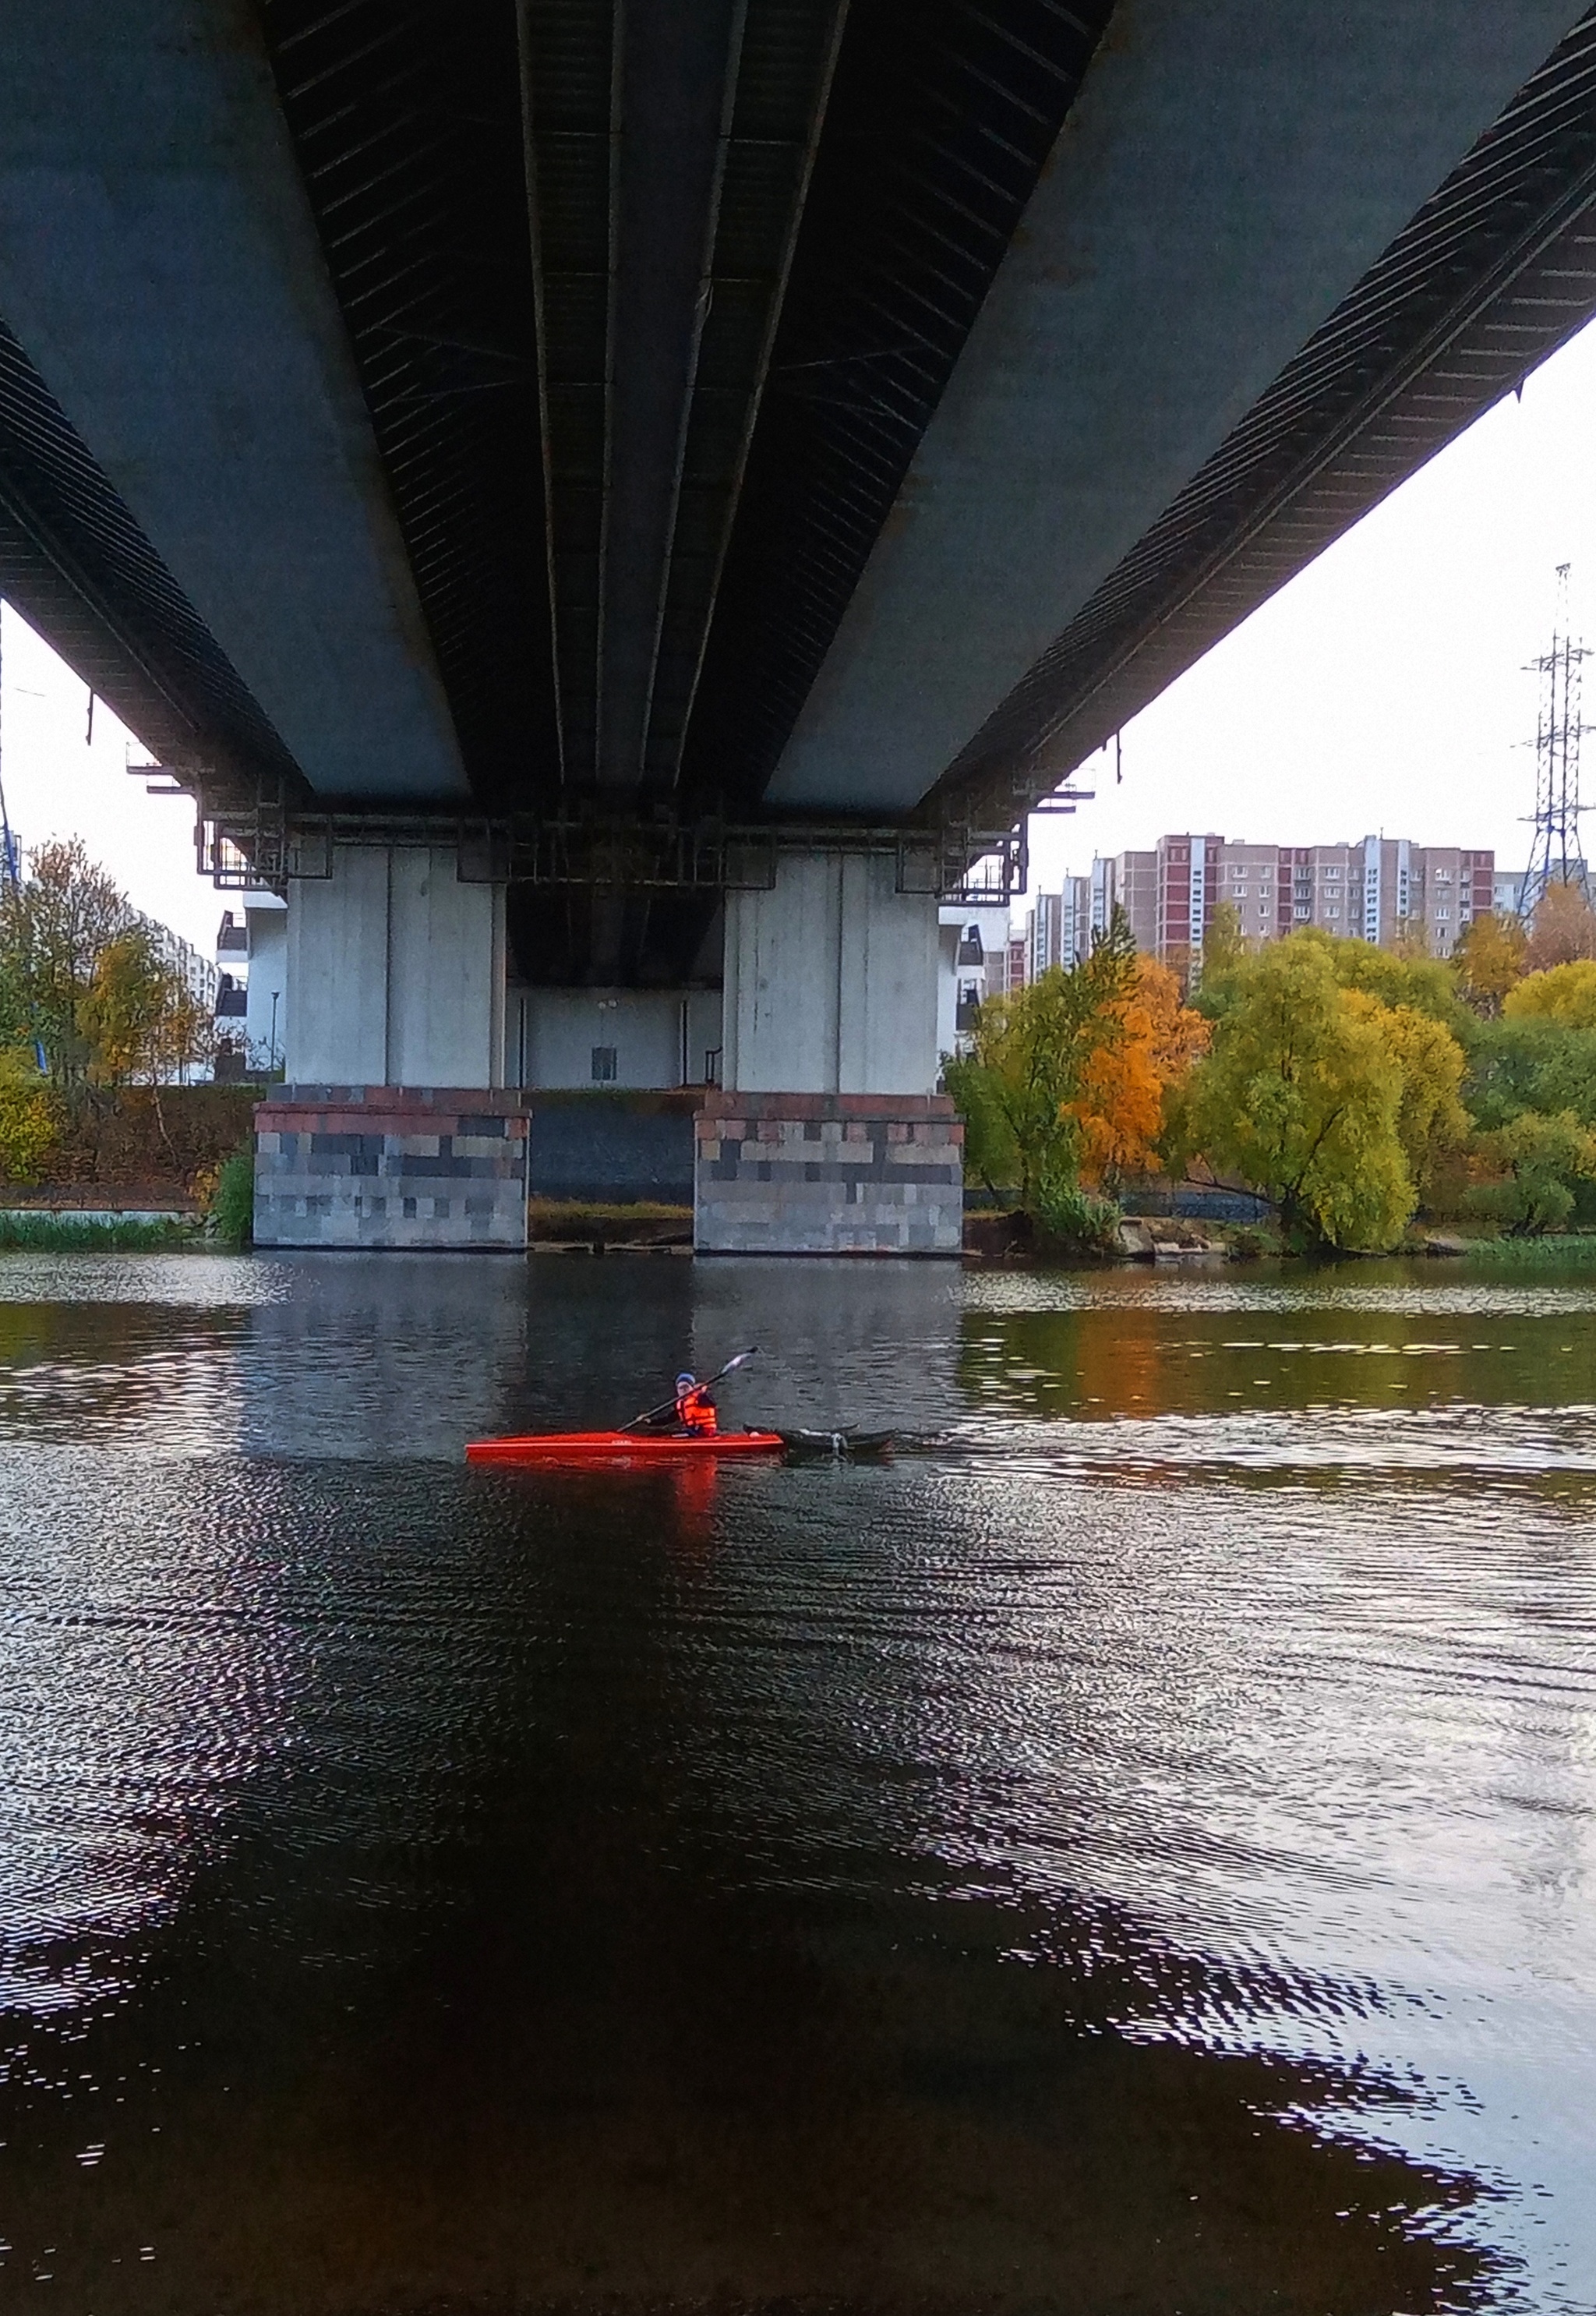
(653, 1414)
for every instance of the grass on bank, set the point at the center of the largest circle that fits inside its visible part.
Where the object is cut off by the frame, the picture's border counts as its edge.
(1574, 1252)
(60, 1233)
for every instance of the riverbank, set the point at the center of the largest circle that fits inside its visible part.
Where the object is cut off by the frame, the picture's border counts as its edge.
(69, 1221)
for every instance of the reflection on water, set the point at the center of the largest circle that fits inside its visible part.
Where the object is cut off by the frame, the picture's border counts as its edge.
(1132, 1852)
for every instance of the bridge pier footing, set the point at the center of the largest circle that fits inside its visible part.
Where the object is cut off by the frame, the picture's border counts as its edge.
(412, 1167)
(829, 1137)
(828, 1173)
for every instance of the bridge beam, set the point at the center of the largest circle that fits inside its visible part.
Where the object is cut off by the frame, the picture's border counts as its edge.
(160, 266)
(1229, 172)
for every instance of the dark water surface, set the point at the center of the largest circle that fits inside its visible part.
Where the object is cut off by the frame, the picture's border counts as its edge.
(1134, 1853)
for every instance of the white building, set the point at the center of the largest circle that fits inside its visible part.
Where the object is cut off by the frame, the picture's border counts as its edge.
(973, 946)
(251, 1004)
(198, 973)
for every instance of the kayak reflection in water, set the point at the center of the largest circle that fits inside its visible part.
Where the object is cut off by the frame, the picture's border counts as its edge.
(694, 1408)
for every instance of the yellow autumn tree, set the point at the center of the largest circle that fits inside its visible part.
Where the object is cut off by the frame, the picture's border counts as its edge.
(1563, 992)
(139, 1017)
(1120, 1106)
(29, 1117)
(1431, 1119)
(1489, 959)
(1302, 1096)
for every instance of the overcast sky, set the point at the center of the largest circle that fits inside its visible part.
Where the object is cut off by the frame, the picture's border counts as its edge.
(1383, 689)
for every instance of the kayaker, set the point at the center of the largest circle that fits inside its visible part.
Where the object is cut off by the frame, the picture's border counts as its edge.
(695, 1408)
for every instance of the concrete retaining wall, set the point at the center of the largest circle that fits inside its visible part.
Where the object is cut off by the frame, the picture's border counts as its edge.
(615, 1149)
(659, 1039)
(391, 1166)
(805, 1173)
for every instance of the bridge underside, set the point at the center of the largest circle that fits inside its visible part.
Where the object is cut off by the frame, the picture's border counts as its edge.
(534, 418)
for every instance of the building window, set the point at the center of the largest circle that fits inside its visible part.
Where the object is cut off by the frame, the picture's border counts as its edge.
(604, 1064)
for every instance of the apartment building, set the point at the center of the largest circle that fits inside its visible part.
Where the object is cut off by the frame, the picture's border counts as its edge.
(1507, 891)
(975, 962)
(252, 1001)
(1058, 929)
(1044, 933)
(1375, 889)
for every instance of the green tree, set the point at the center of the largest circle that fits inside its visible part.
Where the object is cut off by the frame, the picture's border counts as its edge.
(54, 927)
(1028, 1065)
(1408, 975)
(1431, 1119)
(1546, 1159)
(1530, 1062)
(1302, 1096)
(1224, 945)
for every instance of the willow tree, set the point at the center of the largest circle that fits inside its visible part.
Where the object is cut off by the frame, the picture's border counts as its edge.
(1302, 1095)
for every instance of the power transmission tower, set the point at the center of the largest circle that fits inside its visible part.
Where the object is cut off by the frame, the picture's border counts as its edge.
(1555, 854)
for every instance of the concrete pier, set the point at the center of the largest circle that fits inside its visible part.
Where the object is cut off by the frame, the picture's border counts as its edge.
(393, 1129)
(829, 1137)
(831, 981)
(396, 1128)
(396, 972)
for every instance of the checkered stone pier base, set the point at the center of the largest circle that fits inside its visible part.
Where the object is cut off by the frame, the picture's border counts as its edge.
(828, 1173)
(391, 1166)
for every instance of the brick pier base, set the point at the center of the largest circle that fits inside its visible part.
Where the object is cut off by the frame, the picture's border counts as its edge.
(828, 1174)
(391, 1166)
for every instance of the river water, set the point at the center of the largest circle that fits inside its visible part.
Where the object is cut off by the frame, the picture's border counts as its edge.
(1133, 1852)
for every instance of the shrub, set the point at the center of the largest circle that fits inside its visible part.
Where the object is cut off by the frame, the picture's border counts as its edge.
(1077, 1223)
(1547, 1159)
(29, 1118)
(229, 1200)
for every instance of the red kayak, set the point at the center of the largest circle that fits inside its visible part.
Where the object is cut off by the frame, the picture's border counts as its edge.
(622, 1446)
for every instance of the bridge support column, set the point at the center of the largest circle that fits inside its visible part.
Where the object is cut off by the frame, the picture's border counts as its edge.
(393, 1129)
(829, 1137)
